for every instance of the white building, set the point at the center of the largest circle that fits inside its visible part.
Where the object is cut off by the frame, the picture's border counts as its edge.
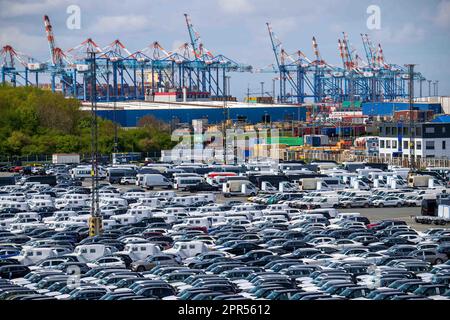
(429, 140)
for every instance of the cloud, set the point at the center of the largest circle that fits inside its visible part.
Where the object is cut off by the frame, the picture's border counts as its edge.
(17, 8)
(443, 14)
(236, 6)
(123, 23)
(20, 41)
(407, 34)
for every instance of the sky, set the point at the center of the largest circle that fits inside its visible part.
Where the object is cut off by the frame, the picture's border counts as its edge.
(410, 31)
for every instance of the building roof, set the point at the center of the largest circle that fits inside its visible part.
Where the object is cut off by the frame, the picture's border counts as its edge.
(442, 119)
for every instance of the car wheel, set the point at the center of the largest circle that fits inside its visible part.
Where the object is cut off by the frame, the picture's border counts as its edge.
(381, 205)
(140, 269)
(399, 205)
(366, 205)
(126, 183)
(348, 206)
(438, 261)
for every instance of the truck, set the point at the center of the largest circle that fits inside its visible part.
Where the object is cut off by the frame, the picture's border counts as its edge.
(310, 184)
(239, 188)
(65, 158)
(415, 181)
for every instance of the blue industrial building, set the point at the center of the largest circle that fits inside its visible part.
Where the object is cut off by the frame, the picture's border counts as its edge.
(388, 108)
(252, 115)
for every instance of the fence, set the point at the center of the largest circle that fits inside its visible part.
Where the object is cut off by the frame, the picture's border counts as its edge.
(47, 158)
(344, 157)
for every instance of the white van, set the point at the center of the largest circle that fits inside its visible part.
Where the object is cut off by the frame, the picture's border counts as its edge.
(239, 188)
(22, 206)
(70, 203)
(118, 202)
(327, 213)
(345, 216)
(30, 256)
(140, 212)
(91, 252)
(187, 249)
(39, 203)
(183, 201)
(165, 194)
(182, 183)
(147, 202)
(124, 219)
(193, 222)
(140, 251)
(13, 198)
(151, 181)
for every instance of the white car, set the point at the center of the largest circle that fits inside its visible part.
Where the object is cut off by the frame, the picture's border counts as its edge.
(108, 262)
(388, 202)
(128, 180)
(411, 237)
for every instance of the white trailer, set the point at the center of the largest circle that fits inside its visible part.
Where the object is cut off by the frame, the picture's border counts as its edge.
(65, 158)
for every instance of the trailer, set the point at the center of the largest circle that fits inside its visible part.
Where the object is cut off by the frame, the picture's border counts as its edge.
(65, 158)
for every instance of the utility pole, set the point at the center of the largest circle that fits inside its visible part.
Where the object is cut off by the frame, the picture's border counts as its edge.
(262, 88)
(421, 82)
(248, 93)
(429, 88)
(116, 143)
(412, 128)
(226, 116)
(95, 221)
(273, 89)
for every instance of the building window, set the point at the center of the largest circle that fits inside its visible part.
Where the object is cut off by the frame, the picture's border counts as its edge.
(430, 145)
(388, 144)
(429, 130)
(418, 131)
(444, 145)
(418, 145)
(394, 144)
(443, 129)
(381, 143)
(405, 145)
(388, 131)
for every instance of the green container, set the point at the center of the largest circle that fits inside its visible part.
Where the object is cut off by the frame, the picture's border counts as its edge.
(289, 141)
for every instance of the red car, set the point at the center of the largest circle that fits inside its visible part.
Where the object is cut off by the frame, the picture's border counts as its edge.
(16, 169)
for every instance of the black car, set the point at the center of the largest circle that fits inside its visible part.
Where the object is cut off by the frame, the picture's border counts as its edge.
(13, 271)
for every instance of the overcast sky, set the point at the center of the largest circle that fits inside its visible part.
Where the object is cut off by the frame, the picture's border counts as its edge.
(412, 31)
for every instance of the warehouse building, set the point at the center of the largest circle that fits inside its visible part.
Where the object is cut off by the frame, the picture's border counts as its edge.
(389, 108)
(128, 114)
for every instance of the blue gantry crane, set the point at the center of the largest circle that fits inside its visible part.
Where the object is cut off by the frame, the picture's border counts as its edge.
(356, 80)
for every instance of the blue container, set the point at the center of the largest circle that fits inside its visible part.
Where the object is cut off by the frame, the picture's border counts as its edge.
(388, 108)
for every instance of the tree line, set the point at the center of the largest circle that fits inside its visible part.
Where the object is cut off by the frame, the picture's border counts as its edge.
(35, 121)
